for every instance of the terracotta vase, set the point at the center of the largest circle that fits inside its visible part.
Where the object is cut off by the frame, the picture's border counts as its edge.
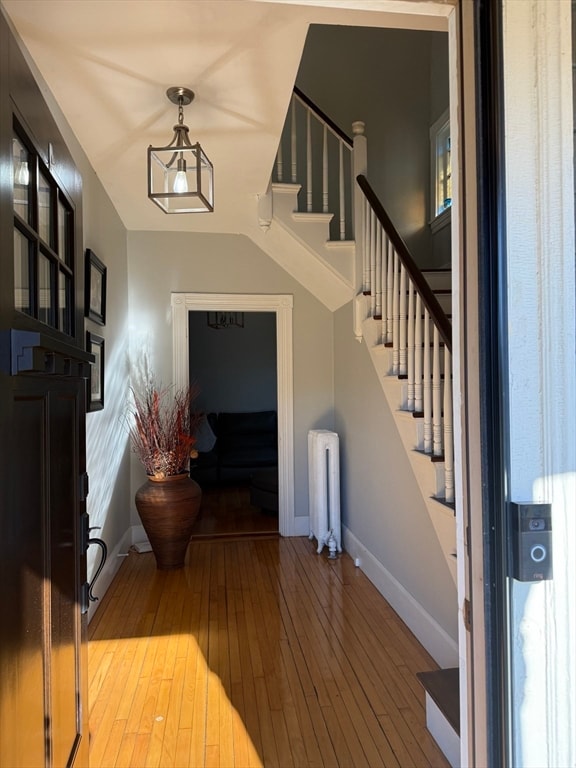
(168, 508)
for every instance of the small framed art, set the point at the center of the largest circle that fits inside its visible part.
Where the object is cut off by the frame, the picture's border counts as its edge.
(95, 345)
(95, 288)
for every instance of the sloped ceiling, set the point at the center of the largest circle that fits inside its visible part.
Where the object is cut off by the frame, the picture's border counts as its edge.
(108, 64)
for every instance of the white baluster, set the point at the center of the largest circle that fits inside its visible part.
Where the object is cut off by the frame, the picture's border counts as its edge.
(390, 294)
(341, 185)
(378, 273)
(373, 224)
(427, 387)
(402, 326)
(325, 170)
(418, 355)
(396, 316)
(308, 163)
(410, 347)
(383, 284)
(448, 430)
(279, 163)
(359, 164)
(366, 250)
(293, 145)
(436, 396)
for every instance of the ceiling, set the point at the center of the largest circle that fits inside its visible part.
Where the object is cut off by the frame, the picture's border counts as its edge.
(108, 64)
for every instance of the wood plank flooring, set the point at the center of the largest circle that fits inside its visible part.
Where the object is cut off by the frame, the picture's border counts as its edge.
(226, 511)
(258, 653)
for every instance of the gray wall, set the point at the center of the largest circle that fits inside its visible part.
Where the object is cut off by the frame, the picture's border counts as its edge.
(235, 368)
(381, 501)
(395, 81)
(162, 263)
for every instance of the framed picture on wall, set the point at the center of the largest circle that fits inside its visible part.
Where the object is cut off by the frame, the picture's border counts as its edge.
(95, 393)
(95, 288)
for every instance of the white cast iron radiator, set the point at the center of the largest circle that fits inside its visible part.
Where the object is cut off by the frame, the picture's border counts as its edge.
(324, 489)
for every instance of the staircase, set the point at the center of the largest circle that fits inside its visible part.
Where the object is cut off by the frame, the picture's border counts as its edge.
(400, 313)
(429, 472)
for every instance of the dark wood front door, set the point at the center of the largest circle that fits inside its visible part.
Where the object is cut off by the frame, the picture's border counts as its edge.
(43, 485)
(42, 659)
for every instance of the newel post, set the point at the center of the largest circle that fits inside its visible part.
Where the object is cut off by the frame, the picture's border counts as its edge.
(359, 166)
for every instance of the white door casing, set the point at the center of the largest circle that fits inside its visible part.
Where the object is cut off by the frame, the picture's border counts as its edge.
(281, 305)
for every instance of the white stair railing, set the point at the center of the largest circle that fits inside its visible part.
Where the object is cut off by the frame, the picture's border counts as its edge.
(414, 326)
(326, 162)
(397, 295)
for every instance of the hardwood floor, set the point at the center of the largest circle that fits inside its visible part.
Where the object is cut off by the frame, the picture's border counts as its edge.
(258, 653)
(226, 511)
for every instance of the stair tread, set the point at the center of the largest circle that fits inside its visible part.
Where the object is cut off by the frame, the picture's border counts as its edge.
(312, 216)
(340, 243)
(285, 186)
(443, 687)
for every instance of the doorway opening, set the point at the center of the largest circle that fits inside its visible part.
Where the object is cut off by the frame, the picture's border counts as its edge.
(233, 362)
(281, 306)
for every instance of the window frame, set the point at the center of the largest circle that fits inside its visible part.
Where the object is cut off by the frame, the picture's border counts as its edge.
(439, 216)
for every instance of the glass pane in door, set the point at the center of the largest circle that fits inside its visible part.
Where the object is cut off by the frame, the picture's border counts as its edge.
(45, 301)
(44, 213)
(21, 170)
(64, 303)
(22, 273)
(64, 244)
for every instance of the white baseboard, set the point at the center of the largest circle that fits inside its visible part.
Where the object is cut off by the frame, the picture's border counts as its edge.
(438, 643)
(111, 567)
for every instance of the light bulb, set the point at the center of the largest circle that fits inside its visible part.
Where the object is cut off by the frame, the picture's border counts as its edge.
(180, 183)
(23, 174)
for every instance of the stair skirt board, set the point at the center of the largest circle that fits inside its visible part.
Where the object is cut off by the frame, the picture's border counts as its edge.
(429, 475)
(438, 643)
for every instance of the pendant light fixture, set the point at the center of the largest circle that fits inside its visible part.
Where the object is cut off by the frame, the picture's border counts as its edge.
(180, 176)
(219, 320)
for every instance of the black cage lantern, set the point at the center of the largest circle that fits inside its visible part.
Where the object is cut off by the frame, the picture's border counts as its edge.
(180, 175)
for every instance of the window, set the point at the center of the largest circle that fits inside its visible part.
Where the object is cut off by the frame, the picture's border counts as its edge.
(440, 171)
(43, 239)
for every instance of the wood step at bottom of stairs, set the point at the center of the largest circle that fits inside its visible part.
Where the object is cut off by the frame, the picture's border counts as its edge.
(442, 688)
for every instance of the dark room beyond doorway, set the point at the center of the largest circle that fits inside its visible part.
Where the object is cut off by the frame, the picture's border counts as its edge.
(233, 360)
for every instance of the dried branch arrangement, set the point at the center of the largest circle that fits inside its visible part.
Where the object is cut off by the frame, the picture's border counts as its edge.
(162, 427)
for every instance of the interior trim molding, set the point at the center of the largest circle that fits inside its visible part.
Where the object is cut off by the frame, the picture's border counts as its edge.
(438, 643)
(282, 305)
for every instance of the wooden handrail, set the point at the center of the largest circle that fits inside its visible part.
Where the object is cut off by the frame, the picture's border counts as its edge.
(431, 302)
(323, 116)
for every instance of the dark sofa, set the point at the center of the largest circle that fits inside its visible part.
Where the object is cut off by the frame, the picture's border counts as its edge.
(245, 443)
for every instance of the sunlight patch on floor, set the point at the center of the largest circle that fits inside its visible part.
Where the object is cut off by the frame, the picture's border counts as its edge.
(159, 703)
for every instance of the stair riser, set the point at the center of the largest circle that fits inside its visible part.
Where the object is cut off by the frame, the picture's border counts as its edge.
(443, 733)
(312, 231)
